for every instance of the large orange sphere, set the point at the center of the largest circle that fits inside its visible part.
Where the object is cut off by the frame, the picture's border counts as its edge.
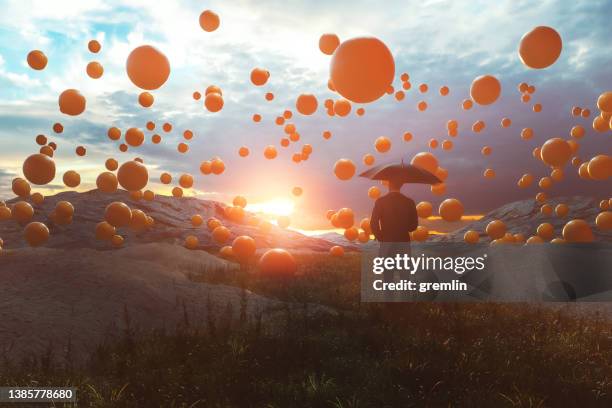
(328, 43)
(71, 102)
(213, 102)
(134, 137)
(107, 182)
(118, 214)
(425, 160)
(39, 169)
(21, 187)
(220, 234)
(604, 220)
(72, 179)
(451, 210)
(600, 167)
(147, 67)
(105, 231)
(133, 175)
(243, 247)
(577, 231)
(424, 209)
(186, 180)
(36, 233)
(22, 212)
(496, 229)
(604, 102)
(555, 152)
(306, 104)
(209, 21)
(259, 76)
(485, 89)
(37, 60)
(344, 169)
(277, 263)
(540, 47)
(362, 69)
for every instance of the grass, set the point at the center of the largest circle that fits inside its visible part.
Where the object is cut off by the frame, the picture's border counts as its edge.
(365, 355)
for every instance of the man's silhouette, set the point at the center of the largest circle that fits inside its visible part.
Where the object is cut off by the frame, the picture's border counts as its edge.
(393, 218)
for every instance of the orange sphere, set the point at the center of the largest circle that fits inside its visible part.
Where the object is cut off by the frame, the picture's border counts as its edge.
(342, 107)
(604, 220)
(186, 180)
(336, 251)
(243, 248)
(328, 43)
(94, 46)
(600, 167)
(382, 144)
(368, 159)
(22, 212)
(243, 151)
(373, 192)
(72, 179)
(134, 137)
(147, 67)
(114, 133)
(145, 99)
(362, 69)
(71, 102)
(259, 76)
(37, 60)
(426, 161)
(277, 263)
(540, 47)
(220, 234)
(107, 182)
(344, 169)
(306, 104)
(604, 102)
(270, 152)
(217, 166)
(209, 21)
(94, 69)
(104, 231)
(555, 152)
(191, 242)
(496, 229)
(577, 231)
(133, 176)
(451, 210)
(118, 214)
(21, 187)
(424, 209)
(485, 89)
(213, 102)
(117, 240)
(546, 231)
(471, 237)
(39, 169)
(36, 233)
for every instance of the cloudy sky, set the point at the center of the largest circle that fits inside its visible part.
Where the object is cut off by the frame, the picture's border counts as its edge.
(436, 42)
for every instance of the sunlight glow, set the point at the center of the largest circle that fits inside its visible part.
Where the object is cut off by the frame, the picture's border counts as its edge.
(275, 207)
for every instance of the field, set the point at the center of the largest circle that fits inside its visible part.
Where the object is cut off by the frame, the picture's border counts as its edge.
(347, 355)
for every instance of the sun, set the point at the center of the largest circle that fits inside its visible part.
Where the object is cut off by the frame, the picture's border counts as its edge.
(274, 207)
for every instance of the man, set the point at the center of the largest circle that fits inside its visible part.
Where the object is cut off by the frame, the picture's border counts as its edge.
(393, 218)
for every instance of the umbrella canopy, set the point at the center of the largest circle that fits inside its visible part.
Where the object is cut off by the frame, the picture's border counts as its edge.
(405, 173)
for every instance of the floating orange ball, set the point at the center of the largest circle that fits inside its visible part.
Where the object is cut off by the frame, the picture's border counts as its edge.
(342, 107)
(270, 152)
(145, 99)
(451, 210)
(22, 212)
(37, 60)
(221, 234)
(71, 102)
(306, 104)
(540, 47)
(577, 230)
(94, 46)
(133, 176)
(425, 160)
(328, 43)
(36, 234)
(118, 214)
(259, 76)
(107, 182)
(424, 209)
(344, 169)
(209, 21)
(496, 229)
(105, 231)
(72, 179)
(600, 167)
(471, 237)
(147, 67)
(243, 248)
(604, 220)
(39, 169)
(94, 69)
(485, 89)
(213, 102)
(277, 263)
(134, 137)
(555, 152)
(382, 144)
(362, 69)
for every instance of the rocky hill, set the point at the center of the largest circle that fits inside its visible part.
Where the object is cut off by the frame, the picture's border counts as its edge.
(172, 223)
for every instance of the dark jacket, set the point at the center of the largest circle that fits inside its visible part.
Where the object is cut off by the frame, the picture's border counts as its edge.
(393, 217)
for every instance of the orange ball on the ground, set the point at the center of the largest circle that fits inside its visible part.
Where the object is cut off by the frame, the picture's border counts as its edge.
(36, 233)
(118, 214)
(277, 262)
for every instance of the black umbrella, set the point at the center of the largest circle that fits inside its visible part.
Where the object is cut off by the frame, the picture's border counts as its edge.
(405, 173)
